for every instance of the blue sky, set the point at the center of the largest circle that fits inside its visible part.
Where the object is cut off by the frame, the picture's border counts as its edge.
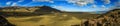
(66, 5)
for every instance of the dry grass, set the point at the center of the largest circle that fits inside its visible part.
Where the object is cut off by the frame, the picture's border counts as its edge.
(47, 20)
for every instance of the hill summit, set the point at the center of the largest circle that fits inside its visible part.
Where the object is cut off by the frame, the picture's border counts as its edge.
(46, 9)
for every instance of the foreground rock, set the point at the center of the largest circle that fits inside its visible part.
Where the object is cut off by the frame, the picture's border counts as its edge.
(110, 18)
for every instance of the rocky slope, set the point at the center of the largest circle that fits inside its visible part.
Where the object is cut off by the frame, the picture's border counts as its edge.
(111, 18)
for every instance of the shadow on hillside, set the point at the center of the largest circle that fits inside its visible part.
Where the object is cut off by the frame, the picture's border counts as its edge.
(4, 22)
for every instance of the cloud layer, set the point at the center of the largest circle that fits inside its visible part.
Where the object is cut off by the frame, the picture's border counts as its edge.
(94, 6)
(81, 2)
(20, 0)
(51, 1)
(14, 4)
(106, 1)
(8, 3)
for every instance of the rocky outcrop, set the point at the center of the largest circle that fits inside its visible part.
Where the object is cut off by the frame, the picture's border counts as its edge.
(110, 18)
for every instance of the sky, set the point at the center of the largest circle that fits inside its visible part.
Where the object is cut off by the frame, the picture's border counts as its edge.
(66, 5)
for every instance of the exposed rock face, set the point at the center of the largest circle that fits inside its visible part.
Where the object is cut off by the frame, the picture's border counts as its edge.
(4, 22)
(110, 18)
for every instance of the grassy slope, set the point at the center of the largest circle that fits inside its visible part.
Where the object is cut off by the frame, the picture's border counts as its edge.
(57, 19)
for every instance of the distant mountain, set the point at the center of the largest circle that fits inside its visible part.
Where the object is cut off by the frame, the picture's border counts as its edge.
(27, 11)
(46, 9)
(100, 12)
(111, 13)
(40, 8)
(13, 7)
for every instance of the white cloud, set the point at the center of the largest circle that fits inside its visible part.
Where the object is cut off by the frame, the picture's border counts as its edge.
(58, 6)
(106, 1)
(11, 3)
(14, 4)
(103, 6)
(20, 0)
(51, 1)
(71, 1)
(94, 6)
(80, 2)
(40, 0)
(8, 3)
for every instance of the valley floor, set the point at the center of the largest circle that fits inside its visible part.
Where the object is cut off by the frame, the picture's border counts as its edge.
(57, 19)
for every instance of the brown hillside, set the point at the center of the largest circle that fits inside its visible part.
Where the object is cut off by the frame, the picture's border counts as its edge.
(111, 18)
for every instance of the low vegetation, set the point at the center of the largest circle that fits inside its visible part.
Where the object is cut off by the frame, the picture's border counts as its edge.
(52, 17)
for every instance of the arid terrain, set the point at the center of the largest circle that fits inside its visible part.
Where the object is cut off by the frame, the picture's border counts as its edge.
(46, 16)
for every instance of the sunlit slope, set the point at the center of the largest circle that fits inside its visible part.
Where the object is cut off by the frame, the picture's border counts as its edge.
(27, 11)
(18, 9)
(57, 19)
